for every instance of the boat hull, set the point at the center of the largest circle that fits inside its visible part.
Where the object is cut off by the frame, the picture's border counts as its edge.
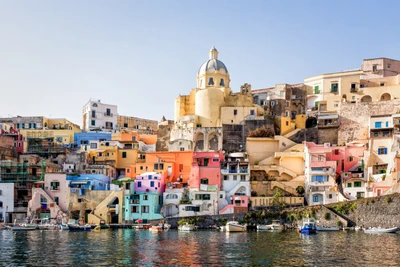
(235, 228)
(79, 228)
(327, 229)
(263, 227)
(382, 230)
(186, 228)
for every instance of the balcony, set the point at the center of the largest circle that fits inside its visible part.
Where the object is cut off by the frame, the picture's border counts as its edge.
(209, 187)
(108, 114)
(224, 171)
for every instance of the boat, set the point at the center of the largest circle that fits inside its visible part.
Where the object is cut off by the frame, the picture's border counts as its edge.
(308, 226)
(327, 228)
(22, 226)
(234, 226)
(79, 228)
(3, 227)
(263, 227)
(63, 226)
(378, 230)
(222, 228)
(358, 228)
(187, 227)
(155, 228)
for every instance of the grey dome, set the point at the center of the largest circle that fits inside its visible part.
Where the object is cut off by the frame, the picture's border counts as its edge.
(212, 65)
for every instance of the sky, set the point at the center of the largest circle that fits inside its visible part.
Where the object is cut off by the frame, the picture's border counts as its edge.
(141, 55)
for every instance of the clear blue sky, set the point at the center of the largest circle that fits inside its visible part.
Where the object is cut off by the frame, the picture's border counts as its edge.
(140, 55)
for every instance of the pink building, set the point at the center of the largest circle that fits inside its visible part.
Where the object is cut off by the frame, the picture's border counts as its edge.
(50, 196)
(322, 164)
(150, 182)
(206, 169)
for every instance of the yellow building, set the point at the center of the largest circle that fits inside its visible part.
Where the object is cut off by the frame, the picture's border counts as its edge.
(61, 131)
(200, 115)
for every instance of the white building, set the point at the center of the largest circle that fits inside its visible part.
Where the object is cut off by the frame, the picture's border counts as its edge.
(6, 201)
(99, 116)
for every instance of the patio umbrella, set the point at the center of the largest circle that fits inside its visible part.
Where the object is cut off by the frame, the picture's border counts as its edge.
(122, 180)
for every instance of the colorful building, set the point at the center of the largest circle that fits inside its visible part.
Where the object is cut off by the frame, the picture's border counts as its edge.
(145, 200)
(98, 116)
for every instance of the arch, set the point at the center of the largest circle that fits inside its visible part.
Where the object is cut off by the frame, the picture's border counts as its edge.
(311, 122)
(366, 98)
(94, 105)
(199, 139)
(213, 141)
(385, 97)
(241, 191)
(222, 83)
(344, 97)
(211, 81)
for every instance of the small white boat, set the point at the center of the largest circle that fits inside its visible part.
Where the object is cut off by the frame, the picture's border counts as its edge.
(22, 227)
(358, 228)
(234, 226)
(187, 227)
(222, 228)
(3, 227)
(375, 230)
(327, 228)
(264, 227)
(63, 226)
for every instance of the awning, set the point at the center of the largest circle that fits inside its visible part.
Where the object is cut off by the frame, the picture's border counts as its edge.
(328, 117)
(80, 182)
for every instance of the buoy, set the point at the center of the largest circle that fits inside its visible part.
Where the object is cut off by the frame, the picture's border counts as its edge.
(97, 228)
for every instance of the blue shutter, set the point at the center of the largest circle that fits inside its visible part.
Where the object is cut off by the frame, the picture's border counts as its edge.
(387, 124)
(385, 150)
(378, 124)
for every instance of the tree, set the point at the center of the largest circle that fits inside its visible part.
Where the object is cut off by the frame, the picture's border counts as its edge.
(262, 132)
(300, 190)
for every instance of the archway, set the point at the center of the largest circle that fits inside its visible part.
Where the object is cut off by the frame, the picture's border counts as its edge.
(344, 97)
(213, 141)
(311, 122)
(385, 97)
(199, 139)
(366, 99)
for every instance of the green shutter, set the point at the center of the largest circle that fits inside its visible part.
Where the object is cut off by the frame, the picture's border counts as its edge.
(316, 89)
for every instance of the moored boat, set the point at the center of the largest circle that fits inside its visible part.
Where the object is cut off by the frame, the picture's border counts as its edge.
(327, 228)
(234, 226)
(308, 226)
(263, 227)
(378, 230)
(79, 228)
(187, 227)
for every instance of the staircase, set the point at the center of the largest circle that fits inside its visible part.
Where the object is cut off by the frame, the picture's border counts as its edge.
(101, 208)
(54, 211)
(284, 187)
(346, 222)
(227, 209)
(288, 135)
(340, 189)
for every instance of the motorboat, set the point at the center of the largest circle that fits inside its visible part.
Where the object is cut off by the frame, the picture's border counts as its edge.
(63, 226)
(22, 226)
(264, 227)
(327, 228)
(187, 227)
(222, 228)
(80, 228)
(308, 226)
(378, 230)
(234, 226)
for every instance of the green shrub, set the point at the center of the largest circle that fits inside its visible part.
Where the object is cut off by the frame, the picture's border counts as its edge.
(339, 223)
(327, 215)
(388, 200)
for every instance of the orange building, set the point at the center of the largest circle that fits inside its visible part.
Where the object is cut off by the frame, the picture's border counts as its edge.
(149, 139)
(175, 166)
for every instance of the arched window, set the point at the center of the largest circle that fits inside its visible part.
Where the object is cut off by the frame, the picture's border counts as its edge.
(211, 81)
(172, 196)
(94, 105)
(222, 83)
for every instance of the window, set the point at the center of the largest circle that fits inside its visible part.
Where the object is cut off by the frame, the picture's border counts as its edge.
(161, 166)
(349, 185)
(382, 151)
(316, 89)
(152, 184)
(362, 85)
(287, 104)
(330, 196)
(334, 87)
(272, 103)
(357, 184)
(315, 198)
(388, 66)
(180, 167)
(134, 209)
(139, 184)
(125, 125)
(319, 178)
(287, 123)
(375, 68)
(172, 196)
(319, 158)
(124, 155)
(353, 86)
(155, 166)
(225, 177)
(282, 94)
(235, 112)
(128, 170)
(204, 181)
(336, 152)
(141, 168)
(54, 186)
(145, 209)
(378, 124)
(287, 113)
(252, 113)
(133, 138)
(93, 113)
(376, 134)
(211, 81)
(93, 123)
(222, 83)
(181, 149)
(387, 124)
(56, 200)
(192, 208)
(108, 112)
(1, 192)
(203, 197)
(94, 105)
(350, 159)
(145, 197)
(243, 178)
(1, 204)
(335, 105)
(221, 196)
(93, 145)
(382, 84)
(385, 133)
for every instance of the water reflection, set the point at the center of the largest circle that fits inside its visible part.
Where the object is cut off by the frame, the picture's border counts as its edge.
(172, 248)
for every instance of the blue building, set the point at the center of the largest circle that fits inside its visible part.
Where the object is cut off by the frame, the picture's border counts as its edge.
(85, 138)
(89, 181)
(144, 206)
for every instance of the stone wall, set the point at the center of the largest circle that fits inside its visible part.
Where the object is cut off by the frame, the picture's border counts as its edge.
(309, 135)
(354, 118)
(328, 135)
(163, 136)
(202, 221)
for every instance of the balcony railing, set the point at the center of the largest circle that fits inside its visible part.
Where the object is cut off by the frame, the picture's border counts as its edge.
(244, 170)
(108, 114)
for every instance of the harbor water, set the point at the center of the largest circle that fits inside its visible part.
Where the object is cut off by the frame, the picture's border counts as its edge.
(125, 247)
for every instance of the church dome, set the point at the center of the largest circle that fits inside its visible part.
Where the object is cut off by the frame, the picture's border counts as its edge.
(213, 64)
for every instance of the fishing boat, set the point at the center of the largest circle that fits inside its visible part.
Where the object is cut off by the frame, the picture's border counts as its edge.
(263, 227)
(187, 227)
(327, 228)
(22, 226)
(234, 226)
(308, 226)
(378, 230)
